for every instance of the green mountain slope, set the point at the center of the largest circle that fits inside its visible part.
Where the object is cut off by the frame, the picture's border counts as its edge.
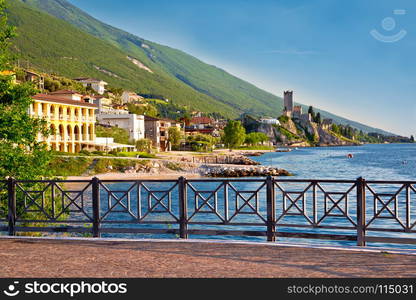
(177, 75)
(207, 79)
(54, 46)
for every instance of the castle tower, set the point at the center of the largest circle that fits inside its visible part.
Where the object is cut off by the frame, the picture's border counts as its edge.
(288, 102)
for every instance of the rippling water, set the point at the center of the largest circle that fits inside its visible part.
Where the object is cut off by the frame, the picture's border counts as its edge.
(373, 162)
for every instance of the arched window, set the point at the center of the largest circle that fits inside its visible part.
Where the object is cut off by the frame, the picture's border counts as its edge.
(77, 133)
(69, 131)
(61, 130)
(53, 129)
(44, 109)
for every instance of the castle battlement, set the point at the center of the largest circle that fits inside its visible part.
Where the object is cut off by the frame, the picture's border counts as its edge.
(288, 102)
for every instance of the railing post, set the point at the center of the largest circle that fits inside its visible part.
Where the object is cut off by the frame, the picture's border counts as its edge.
(11, 191)
(361, 222)
(183, 209)
(271, 211)
(96, 207)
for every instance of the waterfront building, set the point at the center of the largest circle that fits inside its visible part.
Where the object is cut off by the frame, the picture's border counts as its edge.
(202, 125)
(157, 130)
(133, 124)
(70, 117)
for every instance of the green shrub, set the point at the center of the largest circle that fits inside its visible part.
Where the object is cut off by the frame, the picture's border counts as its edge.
(104, 165)
(283, 119)
(98, 153)
(144, 145)
(69, 166)
(136, 154)
(84, 152)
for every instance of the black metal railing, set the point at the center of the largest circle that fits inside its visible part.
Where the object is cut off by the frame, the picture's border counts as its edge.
(349, 210)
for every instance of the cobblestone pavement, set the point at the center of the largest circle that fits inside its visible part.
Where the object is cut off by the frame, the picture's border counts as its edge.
(74, 258)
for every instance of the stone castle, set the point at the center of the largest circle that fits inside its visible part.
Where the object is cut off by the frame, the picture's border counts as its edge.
(295, 111)
(288, 102)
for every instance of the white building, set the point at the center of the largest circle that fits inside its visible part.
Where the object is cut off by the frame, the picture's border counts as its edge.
(134, 124)
(271, 121)
(108, 144)
(96, 84)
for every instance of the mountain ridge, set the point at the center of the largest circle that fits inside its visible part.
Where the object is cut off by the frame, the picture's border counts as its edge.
(212, 84)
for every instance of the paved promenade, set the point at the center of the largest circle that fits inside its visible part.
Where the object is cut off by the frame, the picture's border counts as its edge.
(87, 258)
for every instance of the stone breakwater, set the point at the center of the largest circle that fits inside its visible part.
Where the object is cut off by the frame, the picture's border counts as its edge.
(246, 167)
(243, 172)
(225, 171)
(218, 159)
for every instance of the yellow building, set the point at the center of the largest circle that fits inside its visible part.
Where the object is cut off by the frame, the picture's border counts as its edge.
(71, 118)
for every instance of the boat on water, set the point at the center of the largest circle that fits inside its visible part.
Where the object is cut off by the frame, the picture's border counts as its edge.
(283, 150)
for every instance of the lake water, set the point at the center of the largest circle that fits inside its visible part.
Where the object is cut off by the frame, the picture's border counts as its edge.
(372, 162)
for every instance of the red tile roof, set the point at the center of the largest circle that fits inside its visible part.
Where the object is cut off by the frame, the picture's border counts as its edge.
(202, 120)
(203, 130)
(56, 99)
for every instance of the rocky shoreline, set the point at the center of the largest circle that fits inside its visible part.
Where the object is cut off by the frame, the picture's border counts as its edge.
(245, 167)
(244, 172)
(223, 165)
(204, 170)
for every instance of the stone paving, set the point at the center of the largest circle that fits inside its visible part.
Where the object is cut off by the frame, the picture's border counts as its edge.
(79, 258)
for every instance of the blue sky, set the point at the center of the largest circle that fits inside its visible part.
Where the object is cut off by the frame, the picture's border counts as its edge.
(322, 49)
